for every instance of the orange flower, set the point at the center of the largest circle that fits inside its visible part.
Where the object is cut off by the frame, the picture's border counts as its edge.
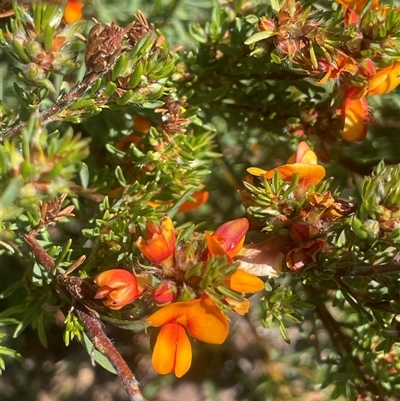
(200, 317)
(119, 286)
(228, 240)
(357, 5)
(303, 161)
(355, 114)
(160, 242)
(73, 11)
(200, 197)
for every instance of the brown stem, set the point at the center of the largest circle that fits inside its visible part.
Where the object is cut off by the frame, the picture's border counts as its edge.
(41, 256)
(105, 346)
(390, 267)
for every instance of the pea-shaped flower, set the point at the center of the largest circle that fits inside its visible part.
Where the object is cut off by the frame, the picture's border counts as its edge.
(303, 161)
(119, 286)
(200, 318)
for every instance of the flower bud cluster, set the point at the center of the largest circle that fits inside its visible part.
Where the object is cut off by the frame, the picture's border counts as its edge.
(43, 45)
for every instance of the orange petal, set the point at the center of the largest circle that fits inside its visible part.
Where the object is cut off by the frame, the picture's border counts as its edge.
(207, 323)
(161, 241)
(183, 353)
(73, 12)
(242, 281)
(357, 5)
(119, 286)
(309, 173)
(325, 77)
(385, 80)
(156, 250)
(168, 231)
(355, 119)
(200, 197)
(172, 351)
(201, 317)
(115, 278)
(156, 204)
(215, 247)
(126, 142)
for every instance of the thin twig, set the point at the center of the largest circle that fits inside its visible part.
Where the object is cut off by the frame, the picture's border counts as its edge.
(103, 344)
(53, 113)
(390, 267)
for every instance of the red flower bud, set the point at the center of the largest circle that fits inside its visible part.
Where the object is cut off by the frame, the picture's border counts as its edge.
(165, 293)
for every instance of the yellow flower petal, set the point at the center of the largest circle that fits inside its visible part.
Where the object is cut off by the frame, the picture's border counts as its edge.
(256, 171)
(242, 281)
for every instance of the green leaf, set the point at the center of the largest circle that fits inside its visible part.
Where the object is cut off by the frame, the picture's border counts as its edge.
(96, 355)
(259, 36)
(283, 332)
(82, 104)
(29, 315)
(84, 175)
(275, 5)
(135, 325)
(120, 176)
(11, 193)
(11, 289)
(110, 89)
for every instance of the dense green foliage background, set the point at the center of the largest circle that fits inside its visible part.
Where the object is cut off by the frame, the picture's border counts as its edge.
(238, 107)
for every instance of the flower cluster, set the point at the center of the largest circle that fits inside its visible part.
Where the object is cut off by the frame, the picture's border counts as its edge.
(362, 77)
(292, 206)
(362, 61)
(193, 284)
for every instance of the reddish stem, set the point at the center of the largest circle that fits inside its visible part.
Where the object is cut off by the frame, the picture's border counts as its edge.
(103, 344)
